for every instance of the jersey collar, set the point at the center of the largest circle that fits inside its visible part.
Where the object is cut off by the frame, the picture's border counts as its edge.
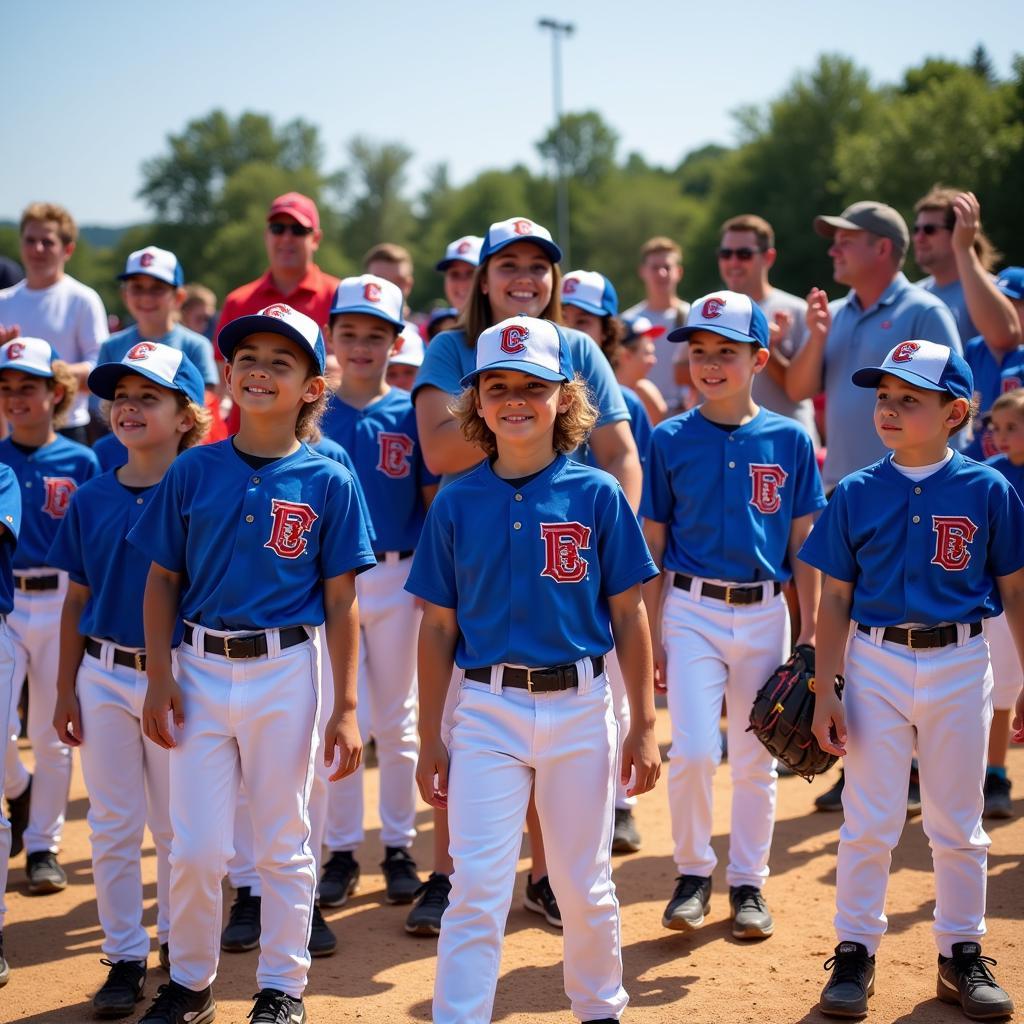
(948, 469)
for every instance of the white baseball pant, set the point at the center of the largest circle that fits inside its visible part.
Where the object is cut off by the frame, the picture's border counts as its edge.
(715, 650)
(1007, 677)
(565, 746)
(940, 700)
(620, 705)
(35, 627)
(389, 621)
(251, 719)
(7, 677)
(126, 776)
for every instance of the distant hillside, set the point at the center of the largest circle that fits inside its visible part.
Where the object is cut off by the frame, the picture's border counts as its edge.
(98, 237)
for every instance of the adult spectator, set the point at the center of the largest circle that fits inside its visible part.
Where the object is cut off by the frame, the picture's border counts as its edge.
(10, 272)
(951, 247)
(52, 305)
(869, 244)
(661, 270)
(746, 253)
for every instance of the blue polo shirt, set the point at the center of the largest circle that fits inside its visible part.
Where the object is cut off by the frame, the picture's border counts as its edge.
(863, 337)
(952, 295)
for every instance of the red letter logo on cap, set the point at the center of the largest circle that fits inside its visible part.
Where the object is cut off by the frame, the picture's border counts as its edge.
(952, 535)
(146, 259)
(142, 350)
(280, 310)
(463, 247)
(712, 308)
(395, 450)
(569, 286)
(57, 495)
(15, 350)
(765, 483)
(562, 545)
(522, 227)
(904, 352)
(371, 291)
(291, 522)
(512, 338)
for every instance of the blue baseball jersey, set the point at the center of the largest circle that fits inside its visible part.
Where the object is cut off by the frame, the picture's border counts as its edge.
(253, 546)
(992, 377)
(1015, 474)
(10, 519)
(110, 452)
(333, 450)
(48, 477)
(384, 444)
(90, 546)
(198, 349)
(920, 552)
(728, 500)
(529, 571)
(639, 426)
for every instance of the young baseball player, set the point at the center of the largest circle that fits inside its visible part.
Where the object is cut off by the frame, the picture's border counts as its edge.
(376, 425)
(461, 259)
(730, 493)
(917, 549)
(405, 359)
(634, 356)
(36, 391)
(156, 398)
(528, 608)
(255, 541)
(10, 528)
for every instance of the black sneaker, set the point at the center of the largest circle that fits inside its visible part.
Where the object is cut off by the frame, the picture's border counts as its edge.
(275, 1007)
(45, 875)
(832, 799)
(123, 988)
(914, 793)
(964, 978)
(5, 970)
(165, 957)
(175, 1004)
(17, 814)
(997, 796)
(625, 837)
(242, 932)
(322, 941)
(431, 903)
(541, 900)
(852, 981)
(690, 902)
(751, 918)
(340, 879)
(400, 878)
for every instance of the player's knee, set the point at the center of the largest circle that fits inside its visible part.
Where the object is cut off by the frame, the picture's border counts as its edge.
(692, 753)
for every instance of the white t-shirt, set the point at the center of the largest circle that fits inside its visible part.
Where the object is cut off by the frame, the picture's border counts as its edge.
(661, 375)
(69, 315)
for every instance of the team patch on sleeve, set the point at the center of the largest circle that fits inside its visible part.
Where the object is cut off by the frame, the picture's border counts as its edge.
(563, 543)
(292, 521)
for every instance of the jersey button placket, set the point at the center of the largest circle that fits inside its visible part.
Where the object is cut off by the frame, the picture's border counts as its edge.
(519, 542)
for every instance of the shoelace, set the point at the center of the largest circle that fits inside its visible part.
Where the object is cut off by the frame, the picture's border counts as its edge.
(273, 1002)
(848, 967)
(172, 1000)
(748, 897)
(245, 910)
(434, 891)
(124, 972)
(687, 886)
(974, 971)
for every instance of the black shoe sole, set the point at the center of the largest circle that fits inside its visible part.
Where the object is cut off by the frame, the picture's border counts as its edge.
(353, 888)
(424, 930)
(751, 932)
(46, 888)
(683, 924)
(952, 995)
(848, 1012)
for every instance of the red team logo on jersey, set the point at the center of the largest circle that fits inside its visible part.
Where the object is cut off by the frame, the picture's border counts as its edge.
(765, 481)
(1010, 384)
(395, 450)
(563, 543)
(371, 291)
(280, 310)
(292, 520)
(903, 353)
(952, 535)
(522, 227)
(58, 491)
(512, 338)
(142, 350)
(15, 350)
(712, 308)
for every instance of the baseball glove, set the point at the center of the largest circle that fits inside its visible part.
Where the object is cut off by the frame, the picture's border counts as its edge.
(783, 713)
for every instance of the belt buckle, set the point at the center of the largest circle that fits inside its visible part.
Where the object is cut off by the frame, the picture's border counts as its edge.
(140, 661)
(529, 680)
(227, 647)
(910, 640)
(728, 595)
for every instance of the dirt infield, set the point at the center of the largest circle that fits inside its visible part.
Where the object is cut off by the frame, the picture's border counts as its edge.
(382, 975)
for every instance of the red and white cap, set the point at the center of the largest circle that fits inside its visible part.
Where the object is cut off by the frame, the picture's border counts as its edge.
(372, 295)
(518, 229)
(29, 355)
(278, 318)
(408, 350)
(154, 262)
(526, 344)
(463, 250)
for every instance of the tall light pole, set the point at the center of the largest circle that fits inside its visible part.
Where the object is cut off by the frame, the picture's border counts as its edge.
(558, 30)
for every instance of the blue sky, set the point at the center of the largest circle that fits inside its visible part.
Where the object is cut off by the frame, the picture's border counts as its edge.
(91, 89)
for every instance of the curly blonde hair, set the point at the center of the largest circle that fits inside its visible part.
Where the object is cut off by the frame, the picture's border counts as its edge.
(572, 427)
(64, 378)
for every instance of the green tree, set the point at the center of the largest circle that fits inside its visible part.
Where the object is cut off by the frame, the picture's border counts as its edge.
(378, 211)
(590, 144)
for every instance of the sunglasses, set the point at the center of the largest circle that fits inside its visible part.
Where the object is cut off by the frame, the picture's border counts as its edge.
(297, 230)
(929, 229)
(744, 253)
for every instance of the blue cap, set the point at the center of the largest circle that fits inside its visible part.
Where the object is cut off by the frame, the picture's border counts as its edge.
(518, 229)
(729, 314)
(924, 364)
(525, 344)
(1011, 282)
(590, 291)
(163, 365)
(442, 313)
(281, 319)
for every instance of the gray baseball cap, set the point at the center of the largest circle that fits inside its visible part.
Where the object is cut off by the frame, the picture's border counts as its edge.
(867, 215)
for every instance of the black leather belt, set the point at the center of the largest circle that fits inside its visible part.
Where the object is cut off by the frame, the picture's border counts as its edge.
(37, 582)
(922, 639)
(402, 555)
(730, 595)
(536, 680)
(122, 656)
(252, 645)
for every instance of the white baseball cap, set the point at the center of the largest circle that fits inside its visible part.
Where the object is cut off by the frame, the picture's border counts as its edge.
(518, 229)
(278, 318)
(29, 355)
(463, 250)
(154, 262)
(526, 344)
(372, 295)
(408, 350)
(924, 364)
(590, 291)
(729, 314)
(163, 365)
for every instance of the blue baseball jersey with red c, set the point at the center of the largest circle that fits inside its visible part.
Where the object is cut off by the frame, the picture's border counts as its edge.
(529, 570)
(253, 546)
(48, 478)
(384, 444)
(10, 520)
(924, 551)
(728, 500)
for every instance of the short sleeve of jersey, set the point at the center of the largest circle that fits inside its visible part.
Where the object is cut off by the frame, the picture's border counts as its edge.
(1006, 553)
(442, 366)
(432, 576)
(656, 503)
(10, 503)
(344, 540)
(625, 559)
(828, 545)
(810, 495)
(161, 531)
(66, 550)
